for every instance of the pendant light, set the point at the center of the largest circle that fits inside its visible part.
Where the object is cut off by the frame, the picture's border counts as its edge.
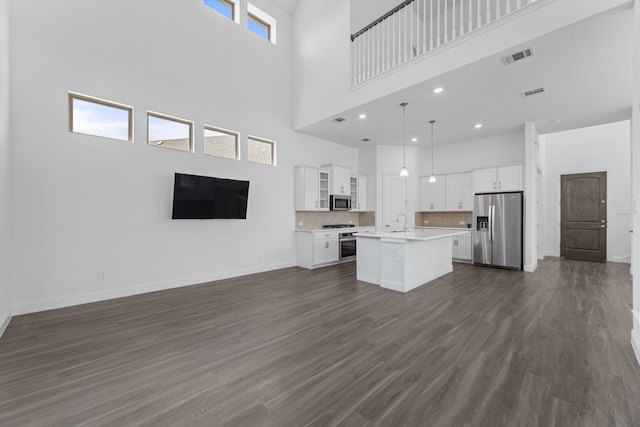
(432, 178)
(404, 171)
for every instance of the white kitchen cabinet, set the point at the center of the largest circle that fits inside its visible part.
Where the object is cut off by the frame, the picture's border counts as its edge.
(432, 194)
(317, 248)
(507, 178)
(461, 248)
(325, 250)
(459, 192)
(311, 189)
(358, 190)
(340, 179)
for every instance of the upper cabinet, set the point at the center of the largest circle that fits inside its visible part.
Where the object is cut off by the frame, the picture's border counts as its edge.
(358, 191)
(459, 192)
(507, 178)
(312, 189)
(340, 180)
(432, 194)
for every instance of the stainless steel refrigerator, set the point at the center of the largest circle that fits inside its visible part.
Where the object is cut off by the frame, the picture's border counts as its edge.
(497, 238)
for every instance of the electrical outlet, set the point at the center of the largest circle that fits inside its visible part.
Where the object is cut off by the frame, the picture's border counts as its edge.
(350, 222)
(426, 221)
(462, 222)
(300, 224)
(102, 275)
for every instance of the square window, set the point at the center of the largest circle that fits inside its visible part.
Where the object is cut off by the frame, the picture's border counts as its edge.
(220, 143)
(97, 117)
(169, 132)
(261, 151)
(261, 23)
(226, 8)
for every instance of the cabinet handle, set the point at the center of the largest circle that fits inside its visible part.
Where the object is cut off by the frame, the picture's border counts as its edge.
(459, 205)
(431, 206)
(500, 185)
(316, 203)
(494, 185)
(326, 245)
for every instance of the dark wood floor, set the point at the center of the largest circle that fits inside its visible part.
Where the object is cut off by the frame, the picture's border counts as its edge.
(477, 347)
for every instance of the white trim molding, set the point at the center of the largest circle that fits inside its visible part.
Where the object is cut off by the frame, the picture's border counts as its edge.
(635, 334)
(4, 322)
(85, 298)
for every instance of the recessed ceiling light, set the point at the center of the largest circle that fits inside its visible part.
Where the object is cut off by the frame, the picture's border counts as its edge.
(362, 116)
(438, 90)
(477, 125)
(414, 139)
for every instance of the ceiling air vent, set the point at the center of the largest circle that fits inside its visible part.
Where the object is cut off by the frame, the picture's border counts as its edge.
(339, 119)
(365, 139)
(532, 92)
(510, 59)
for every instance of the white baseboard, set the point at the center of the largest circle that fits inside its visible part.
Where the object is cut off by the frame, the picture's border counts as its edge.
(531, 268)
(622, 259)
(71, 300)
(635, 334)
(4, 321)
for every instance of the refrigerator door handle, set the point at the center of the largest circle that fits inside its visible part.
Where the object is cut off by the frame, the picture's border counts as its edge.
(492, 221)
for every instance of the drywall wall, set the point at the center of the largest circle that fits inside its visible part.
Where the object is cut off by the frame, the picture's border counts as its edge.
(86, 207)
(487, 152)
(635, 162)
(597, 148)
(5, 165)
(363, 12)
(322, 85)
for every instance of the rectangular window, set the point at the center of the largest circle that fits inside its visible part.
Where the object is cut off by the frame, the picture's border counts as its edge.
(94, 116)
(261, 23)
(261, 151)
(220, 143)
(169, 132)
(226, 8)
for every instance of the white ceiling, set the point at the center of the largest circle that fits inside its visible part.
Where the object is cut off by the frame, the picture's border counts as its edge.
(586, 70)
(288, 5)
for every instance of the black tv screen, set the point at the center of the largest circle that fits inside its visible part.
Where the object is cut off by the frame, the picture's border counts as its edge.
(204, 197)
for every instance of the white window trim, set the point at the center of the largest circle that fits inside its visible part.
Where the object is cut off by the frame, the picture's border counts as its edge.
(104, 102)
(192, 142)
(231, 132)
(269, 141)
(263, 16)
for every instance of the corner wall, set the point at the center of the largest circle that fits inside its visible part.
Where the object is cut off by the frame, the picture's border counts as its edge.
(84, 205)
(595, 148)
(5, 165)
(635, 186)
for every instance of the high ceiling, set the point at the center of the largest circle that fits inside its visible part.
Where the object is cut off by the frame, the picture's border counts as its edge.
(288, 5)
(585, 69)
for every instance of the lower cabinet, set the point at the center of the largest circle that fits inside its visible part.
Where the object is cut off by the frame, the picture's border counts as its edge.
(325, 250)
(461, 248)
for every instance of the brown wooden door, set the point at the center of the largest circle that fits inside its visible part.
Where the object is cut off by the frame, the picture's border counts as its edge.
(583, 225)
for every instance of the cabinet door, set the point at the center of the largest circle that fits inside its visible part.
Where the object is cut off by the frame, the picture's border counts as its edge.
(353, 190)
(464, 248)
(485, 181)
(306, 188)
(323, 190)
(325, 250)
(510, 178)
(363, 189)
(432, 194)
(340, 180)
(459, 192)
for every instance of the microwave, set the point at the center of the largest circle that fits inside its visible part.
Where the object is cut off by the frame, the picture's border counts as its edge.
(340, 203)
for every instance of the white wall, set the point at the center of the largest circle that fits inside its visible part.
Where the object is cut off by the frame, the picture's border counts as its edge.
(494, 151)
(635, 159)
(84, 205)
(322, 52)
(363, 12)
(5, 197)
(596, 148)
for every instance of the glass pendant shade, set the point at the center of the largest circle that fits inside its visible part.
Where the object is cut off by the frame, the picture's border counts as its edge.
(432, 178)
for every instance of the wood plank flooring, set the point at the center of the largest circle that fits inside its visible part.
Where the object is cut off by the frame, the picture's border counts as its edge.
(477, 347)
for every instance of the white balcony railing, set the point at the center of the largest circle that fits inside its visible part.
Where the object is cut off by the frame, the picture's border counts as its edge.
(416, 27)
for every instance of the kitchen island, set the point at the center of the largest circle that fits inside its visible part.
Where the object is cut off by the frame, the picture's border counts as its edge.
(404, 260)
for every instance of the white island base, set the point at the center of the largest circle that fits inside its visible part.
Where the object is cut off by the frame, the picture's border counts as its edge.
(405, 260)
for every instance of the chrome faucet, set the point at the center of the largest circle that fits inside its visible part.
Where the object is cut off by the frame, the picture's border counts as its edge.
(405, 221)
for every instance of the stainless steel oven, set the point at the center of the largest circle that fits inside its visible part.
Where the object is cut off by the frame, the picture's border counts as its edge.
(347, 245)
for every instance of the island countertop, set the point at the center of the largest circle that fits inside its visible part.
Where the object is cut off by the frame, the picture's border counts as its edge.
(421, 234)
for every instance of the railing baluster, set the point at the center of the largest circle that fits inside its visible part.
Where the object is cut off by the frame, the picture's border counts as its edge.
(497, 9)
(508, 7)
(488, 13)
(446, 32)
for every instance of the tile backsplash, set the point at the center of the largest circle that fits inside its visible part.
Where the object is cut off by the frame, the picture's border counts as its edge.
(315, 220)
(444, 219)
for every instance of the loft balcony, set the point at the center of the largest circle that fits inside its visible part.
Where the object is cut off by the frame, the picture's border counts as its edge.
(416, 28)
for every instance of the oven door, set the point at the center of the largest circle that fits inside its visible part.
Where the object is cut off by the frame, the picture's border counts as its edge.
(348, 248)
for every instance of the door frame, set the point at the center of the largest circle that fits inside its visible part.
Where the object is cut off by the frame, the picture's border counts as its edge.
(556, 226)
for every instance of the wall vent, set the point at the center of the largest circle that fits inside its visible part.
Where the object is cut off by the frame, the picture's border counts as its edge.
(339, 119)
(365, 139)
(510, 59)
(532, 92)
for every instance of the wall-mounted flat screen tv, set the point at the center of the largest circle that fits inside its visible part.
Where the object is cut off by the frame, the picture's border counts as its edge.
(204, 197)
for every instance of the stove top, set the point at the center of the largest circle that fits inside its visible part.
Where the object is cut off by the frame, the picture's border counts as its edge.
(338, 226)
